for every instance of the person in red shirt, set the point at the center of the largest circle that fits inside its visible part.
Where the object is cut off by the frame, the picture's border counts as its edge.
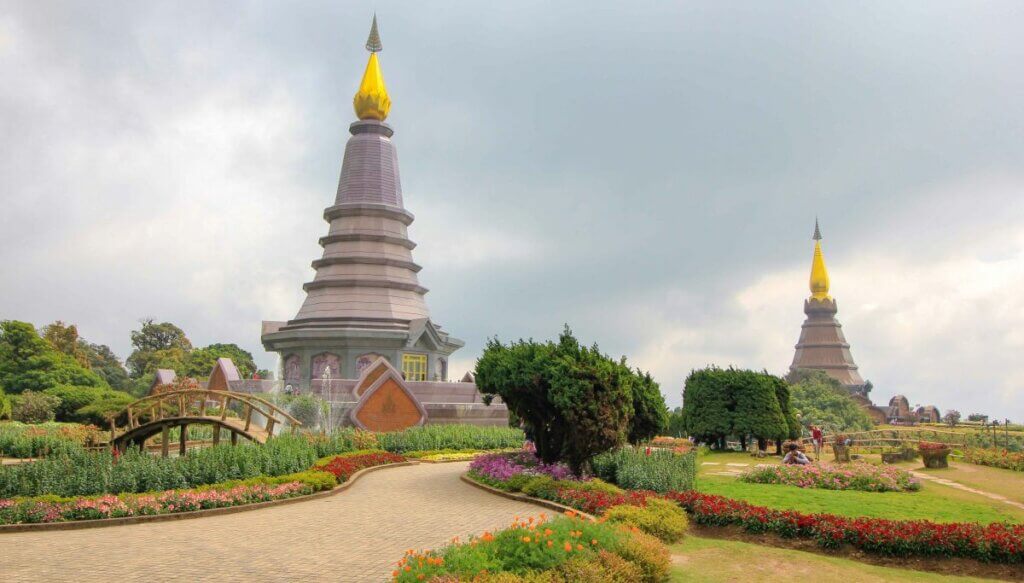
(816, 439)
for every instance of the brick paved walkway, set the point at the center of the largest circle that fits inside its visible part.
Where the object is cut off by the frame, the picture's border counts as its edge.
(356, 535)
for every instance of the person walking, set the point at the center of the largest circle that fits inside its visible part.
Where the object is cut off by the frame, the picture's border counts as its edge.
(817, 439)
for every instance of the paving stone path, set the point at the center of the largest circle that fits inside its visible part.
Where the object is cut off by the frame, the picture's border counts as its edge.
(356, 535)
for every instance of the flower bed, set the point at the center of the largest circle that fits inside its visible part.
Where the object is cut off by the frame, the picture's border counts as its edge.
(854, 476)
(344, 465)
(564, 549)
(22, 511)
(996, 458)
(498, 469)
(326, 474)
(21, 440)
(997, 542)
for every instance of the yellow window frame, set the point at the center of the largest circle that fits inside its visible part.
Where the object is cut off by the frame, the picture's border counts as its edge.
(414, 367)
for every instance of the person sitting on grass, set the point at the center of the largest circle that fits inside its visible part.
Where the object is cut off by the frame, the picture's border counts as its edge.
(795, 457)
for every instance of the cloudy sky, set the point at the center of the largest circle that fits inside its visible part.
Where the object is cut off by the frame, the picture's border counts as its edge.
(648, 172)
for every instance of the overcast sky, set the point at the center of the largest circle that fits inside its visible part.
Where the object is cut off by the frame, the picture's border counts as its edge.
(647, 172)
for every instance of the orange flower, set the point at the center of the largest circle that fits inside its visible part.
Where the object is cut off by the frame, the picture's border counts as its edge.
(593, 541)
(548, 532)
(570, 513)
(550, 543)
(568, 547)
(419, 577)
(526, 539)
(531, 520)
(394, 573)
(408, 568)
(579, 547)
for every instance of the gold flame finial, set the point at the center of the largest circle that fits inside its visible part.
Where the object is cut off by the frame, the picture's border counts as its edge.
(819, 274)
(372, 100)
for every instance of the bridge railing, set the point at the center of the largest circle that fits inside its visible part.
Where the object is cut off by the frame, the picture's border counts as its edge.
(202, 403)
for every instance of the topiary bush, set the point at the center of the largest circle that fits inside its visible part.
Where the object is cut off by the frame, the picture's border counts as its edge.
(660, 518)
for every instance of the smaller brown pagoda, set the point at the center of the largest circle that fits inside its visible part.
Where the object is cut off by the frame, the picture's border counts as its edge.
(822, 345)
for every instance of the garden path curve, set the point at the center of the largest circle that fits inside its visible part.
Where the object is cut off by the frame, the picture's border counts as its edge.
(356, 535)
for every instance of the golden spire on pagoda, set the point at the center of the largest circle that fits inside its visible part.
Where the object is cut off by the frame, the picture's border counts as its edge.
(819, 274)
(372, 100)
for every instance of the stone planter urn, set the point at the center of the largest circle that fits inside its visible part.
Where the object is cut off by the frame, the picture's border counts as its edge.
(842, 452)
(892, 457)
(935, 458)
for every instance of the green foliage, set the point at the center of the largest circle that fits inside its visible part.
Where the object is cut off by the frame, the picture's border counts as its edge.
(307, 409)
(19, 440)
(93, 405)
(440, 437)
(650, 415)
(30, 363)
(636, 469)
(782, 395)
(757, 411)
(708, 404)
(64, 338)
(107, 365)
(33, 407)
(156, 346)
(659, 518)
(577, 401)
(676, 426)
(200, 361)
(5, 406)
(820, 400)
(81, 473)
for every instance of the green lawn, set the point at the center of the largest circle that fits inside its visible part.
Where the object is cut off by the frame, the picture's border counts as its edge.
(933, 502)
(996, 480)
(706, 560)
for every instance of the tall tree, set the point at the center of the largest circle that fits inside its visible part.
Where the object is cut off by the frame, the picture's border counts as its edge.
(708, 405)
(757, 409)
(64, 338)
(162, 345)
(575, 401)
(782, 395)
(650, 414)
(105, 363)
(28, 362)
(200, 361)
(821, 400)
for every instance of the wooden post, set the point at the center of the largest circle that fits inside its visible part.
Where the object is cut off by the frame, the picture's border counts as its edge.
(216, 435)
(183, 441)
(270, 428)
(224, 407)
(112, 430)
(165, 447)
(234, 438)
(248, 416)
(202, 406)
(131, 418)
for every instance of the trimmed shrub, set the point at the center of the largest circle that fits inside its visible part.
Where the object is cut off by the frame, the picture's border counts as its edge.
(659, 518)
(648, 553)
(307, 409)
(33, 407)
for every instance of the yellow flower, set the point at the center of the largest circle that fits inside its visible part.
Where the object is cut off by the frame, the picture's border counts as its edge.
(526, 539)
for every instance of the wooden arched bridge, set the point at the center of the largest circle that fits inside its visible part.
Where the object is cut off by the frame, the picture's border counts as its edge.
(241, 414)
